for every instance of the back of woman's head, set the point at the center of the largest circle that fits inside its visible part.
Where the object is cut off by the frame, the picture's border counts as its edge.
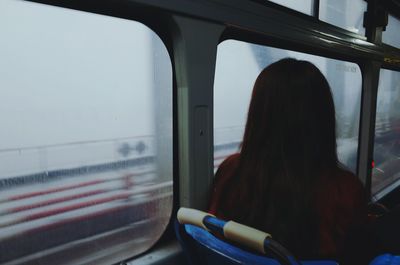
(292, 115)
(289, 143)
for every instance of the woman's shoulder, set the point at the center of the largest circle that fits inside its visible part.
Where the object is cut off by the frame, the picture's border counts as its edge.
(348, 179)
(342, 177)
(343, 186)
(223, 175)
(341, 204)
(230, 161)
(227, 168)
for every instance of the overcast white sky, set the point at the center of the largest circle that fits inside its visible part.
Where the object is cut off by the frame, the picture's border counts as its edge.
(69, 76)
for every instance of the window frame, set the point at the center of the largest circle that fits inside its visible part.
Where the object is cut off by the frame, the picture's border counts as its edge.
(162, 30)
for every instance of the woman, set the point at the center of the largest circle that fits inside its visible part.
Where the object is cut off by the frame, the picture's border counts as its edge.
(287, 180)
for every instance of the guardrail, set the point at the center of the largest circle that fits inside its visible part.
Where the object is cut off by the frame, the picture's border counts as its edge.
(60, 196)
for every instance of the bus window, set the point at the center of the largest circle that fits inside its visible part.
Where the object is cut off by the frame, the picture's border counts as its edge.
(387, 132)
(391, 35)
(234, 79)
(303, 6)
(343, 13)
(86, 138)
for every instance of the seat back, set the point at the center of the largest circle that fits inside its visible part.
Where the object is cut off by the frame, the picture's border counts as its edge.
(386, 259)
(202, 247)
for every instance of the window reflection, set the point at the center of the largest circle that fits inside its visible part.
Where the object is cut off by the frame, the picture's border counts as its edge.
(304, 6)
(387, 131)
(344, 13)
(391, 35)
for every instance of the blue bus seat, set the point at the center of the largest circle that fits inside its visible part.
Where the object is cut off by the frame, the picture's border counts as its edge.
(202, 247)
(386, 259)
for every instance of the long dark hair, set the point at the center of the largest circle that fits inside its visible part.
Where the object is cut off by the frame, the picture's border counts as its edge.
(289, 144)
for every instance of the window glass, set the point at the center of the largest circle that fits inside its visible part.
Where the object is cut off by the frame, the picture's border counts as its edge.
(235, 76)
(391, 35)
(344, 13)
(86, 138)
(387, 131)
(304, 6)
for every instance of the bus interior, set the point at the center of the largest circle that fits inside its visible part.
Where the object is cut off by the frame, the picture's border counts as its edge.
(116, 113)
